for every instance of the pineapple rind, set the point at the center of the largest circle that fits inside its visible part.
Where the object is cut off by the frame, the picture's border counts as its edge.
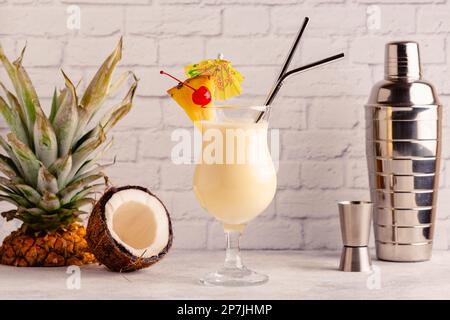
(68, 246)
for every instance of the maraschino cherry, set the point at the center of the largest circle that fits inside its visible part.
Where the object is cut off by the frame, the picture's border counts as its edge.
(201, 96)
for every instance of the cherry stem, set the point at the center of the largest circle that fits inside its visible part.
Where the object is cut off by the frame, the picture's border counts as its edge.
(182, 82)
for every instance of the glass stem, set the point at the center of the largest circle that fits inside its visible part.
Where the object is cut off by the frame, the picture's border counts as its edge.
(233, 257)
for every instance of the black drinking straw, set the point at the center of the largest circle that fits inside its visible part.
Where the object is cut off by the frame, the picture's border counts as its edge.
(284, 75)
(304, 68)
(286, 64)
(290, 55)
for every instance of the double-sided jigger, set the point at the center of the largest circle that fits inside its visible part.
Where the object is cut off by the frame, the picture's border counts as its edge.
(356, 219)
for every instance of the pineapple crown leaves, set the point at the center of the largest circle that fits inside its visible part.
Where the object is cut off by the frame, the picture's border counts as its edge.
(50, 164)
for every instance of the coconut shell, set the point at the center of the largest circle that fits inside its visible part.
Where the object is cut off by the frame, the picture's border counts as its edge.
(107, 250)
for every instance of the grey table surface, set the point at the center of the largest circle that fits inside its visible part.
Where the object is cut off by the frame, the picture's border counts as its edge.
(293, 275)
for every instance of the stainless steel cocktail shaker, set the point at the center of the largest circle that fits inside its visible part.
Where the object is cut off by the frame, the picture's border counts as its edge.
(403, 144)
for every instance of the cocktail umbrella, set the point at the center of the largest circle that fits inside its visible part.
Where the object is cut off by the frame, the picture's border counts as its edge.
(226, 79)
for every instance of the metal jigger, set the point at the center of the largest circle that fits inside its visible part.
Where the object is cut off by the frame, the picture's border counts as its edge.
(356, 219)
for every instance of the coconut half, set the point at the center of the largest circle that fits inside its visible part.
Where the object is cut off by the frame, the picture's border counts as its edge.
(129, 229)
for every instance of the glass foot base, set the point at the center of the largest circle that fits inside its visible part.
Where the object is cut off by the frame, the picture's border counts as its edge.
(230, 277)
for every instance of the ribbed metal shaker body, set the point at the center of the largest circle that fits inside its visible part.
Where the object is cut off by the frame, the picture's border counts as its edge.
(403, 145)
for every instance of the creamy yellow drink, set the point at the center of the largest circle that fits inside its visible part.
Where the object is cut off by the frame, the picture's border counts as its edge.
(235, 178)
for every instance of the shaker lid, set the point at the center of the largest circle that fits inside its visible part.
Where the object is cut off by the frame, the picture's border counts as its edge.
(402, 60)
(402, 84)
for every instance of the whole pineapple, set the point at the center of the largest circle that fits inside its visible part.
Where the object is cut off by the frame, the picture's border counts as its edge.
(49, 165)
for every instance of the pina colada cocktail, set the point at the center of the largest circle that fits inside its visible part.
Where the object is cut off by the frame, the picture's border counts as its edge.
(235, 178)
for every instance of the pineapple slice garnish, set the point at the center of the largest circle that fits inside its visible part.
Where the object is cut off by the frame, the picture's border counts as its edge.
(183, 96)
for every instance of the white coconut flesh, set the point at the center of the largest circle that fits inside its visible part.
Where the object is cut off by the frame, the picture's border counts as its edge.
(138, 221)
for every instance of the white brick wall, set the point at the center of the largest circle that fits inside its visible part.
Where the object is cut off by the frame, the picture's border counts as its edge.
(320, 114)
